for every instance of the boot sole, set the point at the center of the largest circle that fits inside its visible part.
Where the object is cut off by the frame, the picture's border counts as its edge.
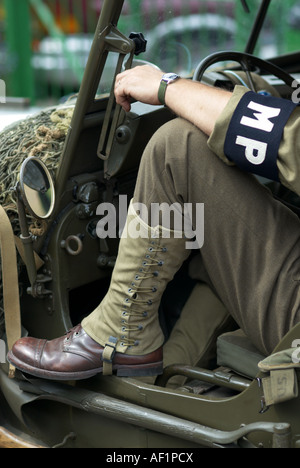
(141, 370)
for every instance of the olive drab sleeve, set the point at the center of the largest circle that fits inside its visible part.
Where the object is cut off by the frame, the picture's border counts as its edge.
(260, 135)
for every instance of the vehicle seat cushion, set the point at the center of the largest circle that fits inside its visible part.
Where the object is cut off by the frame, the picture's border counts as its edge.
(235, 350)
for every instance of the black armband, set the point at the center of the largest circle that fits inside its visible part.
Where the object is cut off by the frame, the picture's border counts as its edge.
(255, 133)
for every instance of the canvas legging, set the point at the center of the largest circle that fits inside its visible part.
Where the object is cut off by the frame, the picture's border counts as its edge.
(251, 249)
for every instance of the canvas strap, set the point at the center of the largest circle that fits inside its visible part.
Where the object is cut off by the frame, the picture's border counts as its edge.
(280, 386)
(11, 299)
(108, 355)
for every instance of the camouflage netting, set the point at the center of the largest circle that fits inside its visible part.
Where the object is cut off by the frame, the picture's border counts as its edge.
(42, 136)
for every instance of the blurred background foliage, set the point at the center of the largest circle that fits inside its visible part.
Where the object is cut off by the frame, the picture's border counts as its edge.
(44, 44)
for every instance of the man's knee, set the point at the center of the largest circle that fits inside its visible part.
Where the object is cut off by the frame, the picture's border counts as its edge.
(171, 156)
(177, 130)
(176, 140)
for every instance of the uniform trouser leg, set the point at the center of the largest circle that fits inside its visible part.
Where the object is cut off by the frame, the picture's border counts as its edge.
(251, 248)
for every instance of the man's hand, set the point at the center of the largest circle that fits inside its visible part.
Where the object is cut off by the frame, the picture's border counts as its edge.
(139, 83)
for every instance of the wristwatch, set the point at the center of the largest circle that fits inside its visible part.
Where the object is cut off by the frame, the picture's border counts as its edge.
(165, 81)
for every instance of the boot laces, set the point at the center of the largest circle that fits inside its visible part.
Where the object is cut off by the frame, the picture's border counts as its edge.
(136, 289)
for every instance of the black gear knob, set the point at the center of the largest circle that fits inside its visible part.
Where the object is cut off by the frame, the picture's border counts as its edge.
(140, 42)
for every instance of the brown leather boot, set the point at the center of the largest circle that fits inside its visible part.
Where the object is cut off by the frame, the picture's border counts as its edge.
(76, 356)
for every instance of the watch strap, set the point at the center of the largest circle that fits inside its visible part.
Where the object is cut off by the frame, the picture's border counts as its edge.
(162, 92)
(165, 81)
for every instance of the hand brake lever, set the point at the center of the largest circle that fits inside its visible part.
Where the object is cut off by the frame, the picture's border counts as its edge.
(115, 42)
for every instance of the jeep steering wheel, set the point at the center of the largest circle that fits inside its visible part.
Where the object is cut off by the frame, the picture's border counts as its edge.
(247, 62)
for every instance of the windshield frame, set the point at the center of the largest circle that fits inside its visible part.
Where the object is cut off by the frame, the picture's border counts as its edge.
(257, 27)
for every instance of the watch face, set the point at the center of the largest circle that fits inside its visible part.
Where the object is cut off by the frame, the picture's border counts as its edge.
(168, 77)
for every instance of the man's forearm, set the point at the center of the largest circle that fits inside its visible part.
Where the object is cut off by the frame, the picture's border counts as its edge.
(200, 104)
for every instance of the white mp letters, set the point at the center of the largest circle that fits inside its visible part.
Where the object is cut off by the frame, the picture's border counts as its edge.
(256, 151)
